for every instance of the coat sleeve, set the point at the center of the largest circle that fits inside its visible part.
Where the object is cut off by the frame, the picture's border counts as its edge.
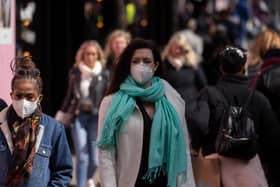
(179, 104)
(268, 135)
(200, 78)
(70, 101)
(198, 126)
(106, 156)
(68, 108)
(60, 160)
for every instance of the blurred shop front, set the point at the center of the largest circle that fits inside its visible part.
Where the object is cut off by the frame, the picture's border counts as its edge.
(51, 32)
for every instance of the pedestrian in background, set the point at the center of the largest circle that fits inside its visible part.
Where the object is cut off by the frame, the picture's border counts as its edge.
(266, 40)
(183, 71)
(233, 90)
(268, 83)
(87, 83)
(115, 44)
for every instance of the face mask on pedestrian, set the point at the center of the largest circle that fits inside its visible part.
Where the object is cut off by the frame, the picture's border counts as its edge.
(141, 73)
(24, 108)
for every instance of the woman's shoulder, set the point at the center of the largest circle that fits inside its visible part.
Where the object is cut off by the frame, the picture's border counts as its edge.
(107, 100)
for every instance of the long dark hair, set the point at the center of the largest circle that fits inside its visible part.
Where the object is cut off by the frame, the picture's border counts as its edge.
(121, 69)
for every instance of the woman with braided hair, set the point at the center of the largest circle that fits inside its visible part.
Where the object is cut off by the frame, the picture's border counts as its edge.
(33, 147)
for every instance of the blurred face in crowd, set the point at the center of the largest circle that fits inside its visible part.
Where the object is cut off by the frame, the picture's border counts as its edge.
(26, 97)
(118, 45)
(250, 57)
(176, 50)
(90, 56)
(143, 66)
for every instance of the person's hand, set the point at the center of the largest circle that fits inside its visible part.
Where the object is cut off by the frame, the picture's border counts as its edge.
(64, 118)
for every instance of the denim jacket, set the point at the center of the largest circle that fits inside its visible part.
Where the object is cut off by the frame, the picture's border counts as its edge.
(52, 164)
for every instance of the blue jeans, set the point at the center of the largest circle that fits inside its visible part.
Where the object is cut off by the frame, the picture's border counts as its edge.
(84, 135)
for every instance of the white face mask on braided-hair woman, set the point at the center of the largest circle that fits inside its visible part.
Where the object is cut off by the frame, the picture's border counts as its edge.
(24, 108)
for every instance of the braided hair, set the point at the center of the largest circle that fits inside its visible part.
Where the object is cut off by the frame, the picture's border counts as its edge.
(25, 68)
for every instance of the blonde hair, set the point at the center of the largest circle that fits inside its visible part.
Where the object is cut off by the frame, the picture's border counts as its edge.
(80, 53)
(267, 39)
(113, 35)
(191, 57)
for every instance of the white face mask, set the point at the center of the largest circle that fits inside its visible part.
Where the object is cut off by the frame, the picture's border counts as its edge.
(141, 73)
(24, 108)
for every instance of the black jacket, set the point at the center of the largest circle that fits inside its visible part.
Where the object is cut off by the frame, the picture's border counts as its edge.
(236, 91)
(97, 90)
(188, 81)
(269, 80)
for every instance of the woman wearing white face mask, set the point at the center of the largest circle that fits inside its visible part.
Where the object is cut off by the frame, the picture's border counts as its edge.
(142, 135)
(33, 147)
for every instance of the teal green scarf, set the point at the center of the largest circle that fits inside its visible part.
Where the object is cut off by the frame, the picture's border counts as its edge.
(167, 152)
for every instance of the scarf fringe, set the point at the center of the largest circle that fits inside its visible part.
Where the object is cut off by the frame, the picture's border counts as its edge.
(184, 176)
(106, 141)
(153, 173)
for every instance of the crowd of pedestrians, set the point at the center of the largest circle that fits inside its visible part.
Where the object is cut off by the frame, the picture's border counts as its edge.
(204, 111)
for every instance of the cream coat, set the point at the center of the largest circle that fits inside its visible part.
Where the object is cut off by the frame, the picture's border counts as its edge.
(119, 166)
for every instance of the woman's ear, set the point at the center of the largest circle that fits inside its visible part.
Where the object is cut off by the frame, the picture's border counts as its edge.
(40, 98)
(156, 66)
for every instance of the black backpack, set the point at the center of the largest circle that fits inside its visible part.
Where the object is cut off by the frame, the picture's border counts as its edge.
(236, 137)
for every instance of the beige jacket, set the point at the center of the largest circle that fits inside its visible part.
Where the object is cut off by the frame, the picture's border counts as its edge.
(119, 166)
